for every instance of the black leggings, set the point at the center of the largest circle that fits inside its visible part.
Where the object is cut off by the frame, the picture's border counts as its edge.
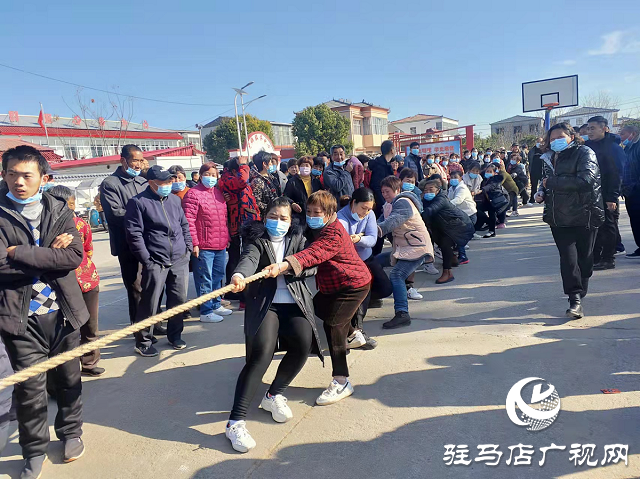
(284, 321)
(380, 288)
(446, 246)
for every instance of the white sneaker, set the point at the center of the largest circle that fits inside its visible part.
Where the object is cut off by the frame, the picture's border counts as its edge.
(356, 340)
(334, 393)
(437, 252)
(476, 236)
(222, 311)
(412, 293)
(210, 318)
(239, 436)
(277, 406)
(431, 269)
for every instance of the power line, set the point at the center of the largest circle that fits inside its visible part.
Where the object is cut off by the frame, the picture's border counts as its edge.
(110, 92)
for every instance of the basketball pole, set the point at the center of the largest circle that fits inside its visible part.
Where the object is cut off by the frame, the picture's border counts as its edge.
(547, 115)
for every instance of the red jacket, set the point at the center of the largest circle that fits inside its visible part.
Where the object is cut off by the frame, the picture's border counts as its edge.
(242, 204)
(86, 273)
(206, 213)
(339, 266)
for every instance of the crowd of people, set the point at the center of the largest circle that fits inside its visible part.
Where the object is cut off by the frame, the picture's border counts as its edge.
(326, 217)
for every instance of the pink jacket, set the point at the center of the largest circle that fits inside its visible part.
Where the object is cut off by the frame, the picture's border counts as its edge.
(206, 213)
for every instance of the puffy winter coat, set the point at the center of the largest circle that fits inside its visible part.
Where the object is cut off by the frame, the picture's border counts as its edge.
(206, 213)
(447, 219)
(242, 205)
(572, 192)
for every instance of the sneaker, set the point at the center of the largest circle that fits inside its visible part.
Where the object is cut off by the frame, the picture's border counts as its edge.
(490, 235)
(634, 255)
(94, 371)
(225, 303)
(412, 293)
(602, 265)
(356, 340)
(239, 436)
(431, 269)
(32, 468)
(476, 236)
(73, 449)
(620, 252)
(401, 318)
(463, 259)
(178, 344)
(334, 393)
(222, 311)
(375, 303)
(210, 318)
(437, 252)
(146, 352)
(370, 342)
(277, 406)
(515, 213)
(159, 330)
(501, 226)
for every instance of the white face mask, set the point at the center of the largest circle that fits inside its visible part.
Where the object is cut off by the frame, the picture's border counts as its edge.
(305, 171)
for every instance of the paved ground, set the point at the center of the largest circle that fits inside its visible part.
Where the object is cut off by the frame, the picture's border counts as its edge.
(443, 380)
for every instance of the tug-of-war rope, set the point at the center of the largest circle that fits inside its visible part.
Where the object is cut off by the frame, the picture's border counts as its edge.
(62, 358)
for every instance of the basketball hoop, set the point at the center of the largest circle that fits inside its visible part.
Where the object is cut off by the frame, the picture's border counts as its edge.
(550, 106)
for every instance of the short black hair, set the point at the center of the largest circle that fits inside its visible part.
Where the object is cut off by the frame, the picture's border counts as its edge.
(277, 202)
(62, 192)
(175, 169)
(318, 161)
(24, 153)
(414, 143)
(386, 147)
(128, 151)
(324, 153)
(260, 158)
(335, 147)
(473, 164)
(514, 144)
(601, 120)
(292, 162)
(194, 173)
(363, 159)
(362, 195)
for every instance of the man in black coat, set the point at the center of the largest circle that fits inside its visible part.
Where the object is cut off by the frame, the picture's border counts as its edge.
(611, 160)
(380, 169)
(115, 192)
(535, 168)
(42, 305)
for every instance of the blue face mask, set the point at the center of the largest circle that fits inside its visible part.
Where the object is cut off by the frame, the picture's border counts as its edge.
(489, 153)
(178, 185)
(488, 175)
(474, 155)
(444, 163)
(340, 163)
(454, 182)
(496, 161)
(132, 172)
(272, 168)
(26, 201)
(473, 176)
(429, 196)
(513, 162)
(585, 137)
(559, 144)
(164, 190)
(315, 172)
(277, 228)
(430, 161)
(315, 222)
(480, 157)
(416, 151)
(47, 186)
(209, 181)
(487, 159)
(355, 216)
(407, 187)
(626, 142)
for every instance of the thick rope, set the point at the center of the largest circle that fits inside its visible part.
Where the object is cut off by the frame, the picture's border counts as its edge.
(62, 358)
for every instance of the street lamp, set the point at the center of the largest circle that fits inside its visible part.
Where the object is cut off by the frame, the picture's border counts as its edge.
(244, 118)
(239, 91)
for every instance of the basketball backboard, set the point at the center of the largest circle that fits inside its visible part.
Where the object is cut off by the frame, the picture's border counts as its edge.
(562, 90)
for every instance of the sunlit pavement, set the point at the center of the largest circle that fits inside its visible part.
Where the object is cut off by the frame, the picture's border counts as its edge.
(442, 380)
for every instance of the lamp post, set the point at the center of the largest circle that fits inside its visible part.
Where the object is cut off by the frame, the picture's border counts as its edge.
(244, 118)
(239, 91)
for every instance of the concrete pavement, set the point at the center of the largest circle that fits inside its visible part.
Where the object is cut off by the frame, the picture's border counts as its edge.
(443, 380)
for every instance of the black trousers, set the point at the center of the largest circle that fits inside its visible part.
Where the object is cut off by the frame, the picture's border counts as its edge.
(5, 396)
(336, 311)
(489, 218)
(535, 178)
(513, 198)
(380, 288)
(575, 246)
(632, 203)
(607, 237)
(284, 321)
(235, 252)
(131, 271)
(46, 336)
(524, 195)
(89, 330)
(446, 246)
(174, 280)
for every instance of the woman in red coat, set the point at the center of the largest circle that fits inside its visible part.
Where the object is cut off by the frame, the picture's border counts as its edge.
(343, 282)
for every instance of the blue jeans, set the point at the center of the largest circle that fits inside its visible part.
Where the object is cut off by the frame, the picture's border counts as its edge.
(208, 272)
(401, 271)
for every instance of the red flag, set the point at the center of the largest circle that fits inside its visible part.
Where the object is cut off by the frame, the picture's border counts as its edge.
(41, 119)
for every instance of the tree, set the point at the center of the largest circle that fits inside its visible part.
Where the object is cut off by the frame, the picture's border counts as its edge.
(600, 99)
(225, 137)
(318, 128)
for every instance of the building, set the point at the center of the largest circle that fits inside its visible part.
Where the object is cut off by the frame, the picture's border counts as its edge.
(369, 124)
(76, 138)
(420, 123)
(516, 127)
(579, 116)
(48, 154)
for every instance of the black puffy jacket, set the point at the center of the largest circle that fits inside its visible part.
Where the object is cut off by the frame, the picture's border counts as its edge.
(572, 193)
(441, 215)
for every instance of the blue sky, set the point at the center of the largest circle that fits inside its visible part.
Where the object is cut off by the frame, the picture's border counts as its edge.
(463, 59)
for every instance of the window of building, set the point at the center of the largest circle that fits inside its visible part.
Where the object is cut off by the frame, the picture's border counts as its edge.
(517, 129)
(533, 128)
(413, 130)
(578, 121)
(375, 126)
(499, 131)
(357, 127)
(438, 125)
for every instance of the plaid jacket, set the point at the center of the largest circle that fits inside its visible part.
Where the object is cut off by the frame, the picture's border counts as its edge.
(339, 266)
